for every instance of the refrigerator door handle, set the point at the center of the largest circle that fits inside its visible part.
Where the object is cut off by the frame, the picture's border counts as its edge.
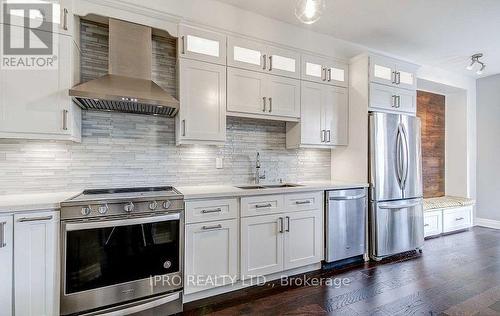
(399, 163)
(406, 154)
(399, 204)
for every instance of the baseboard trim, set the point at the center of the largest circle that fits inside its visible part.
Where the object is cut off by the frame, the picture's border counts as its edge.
(489, 223)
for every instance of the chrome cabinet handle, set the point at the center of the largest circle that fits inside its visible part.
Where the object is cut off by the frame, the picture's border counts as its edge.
(263, 205)
(329, 74)
(35, 219)
(303, 202)
(183, 127)
(459, 218)
(264, 59)
(218, 226)
(323, 136)
(270, 62)
(393, 77)
(2, 235)
(65, 120)
(215, 210)
(264, 102)
(329, 136)
(398, 77)
(183, 40)
(281, 224)
(399, 101)
(270, 104)
(323, 73)
(287, 224)
(393, 105)
(65, 19)
(427, 225)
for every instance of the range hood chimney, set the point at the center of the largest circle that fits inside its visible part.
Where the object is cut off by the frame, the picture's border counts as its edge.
(128, 86)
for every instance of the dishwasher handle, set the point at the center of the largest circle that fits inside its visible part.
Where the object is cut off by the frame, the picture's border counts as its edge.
(347, 197)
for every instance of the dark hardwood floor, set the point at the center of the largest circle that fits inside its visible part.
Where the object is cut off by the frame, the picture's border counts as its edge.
(456, 275)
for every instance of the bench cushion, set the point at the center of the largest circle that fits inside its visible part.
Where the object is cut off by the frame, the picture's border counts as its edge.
(446, 202)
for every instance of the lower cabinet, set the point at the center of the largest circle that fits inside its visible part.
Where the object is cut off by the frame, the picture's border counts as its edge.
(278, 242)
(6, 259)
(36, 262)
(447, 220)
(211, 255)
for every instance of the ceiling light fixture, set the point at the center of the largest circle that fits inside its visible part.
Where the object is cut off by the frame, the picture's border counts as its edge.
(309, 11)
(475, 60)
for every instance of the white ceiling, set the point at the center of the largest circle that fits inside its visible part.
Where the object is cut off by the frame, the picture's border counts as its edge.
(441, 33)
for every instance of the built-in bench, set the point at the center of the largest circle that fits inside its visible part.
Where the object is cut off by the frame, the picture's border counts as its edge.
(447, 214)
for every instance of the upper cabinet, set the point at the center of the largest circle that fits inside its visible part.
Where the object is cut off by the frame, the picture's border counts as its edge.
(254, 94)
(199, 44)
(322, 70)
(324, 117)
(257, 56)
(392, 72)
(202, 113)
(35, 104)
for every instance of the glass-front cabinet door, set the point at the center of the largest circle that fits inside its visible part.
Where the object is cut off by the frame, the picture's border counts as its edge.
(283, 62)
(322, 70)
(382, 70)
(195, 43)
(243, 53)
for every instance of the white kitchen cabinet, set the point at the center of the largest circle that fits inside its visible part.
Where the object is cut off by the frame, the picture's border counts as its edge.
(303, 238)
(323, 70)
(392, 72)
(6, 258)
(261, 245)
(258, 56)
(35, 103)
(391, 99)
(433, 223)
(246, 91)
(202, 114)
(36, 262)
(324, 117)
(200, 44)
(262, 95)
(211, 255)
(246, 54)
(458, 218)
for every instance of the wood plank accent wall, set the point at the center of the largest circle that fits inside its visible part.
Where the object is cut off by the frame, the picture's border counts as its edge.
(431, 111)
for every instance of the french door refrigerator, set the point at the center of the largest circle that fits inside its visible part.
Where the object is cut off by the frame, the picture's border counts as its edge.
(396, 221)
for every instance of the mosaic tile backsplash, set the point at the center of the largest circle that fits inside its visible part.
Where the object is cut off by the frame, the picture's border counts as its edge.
(124, 150)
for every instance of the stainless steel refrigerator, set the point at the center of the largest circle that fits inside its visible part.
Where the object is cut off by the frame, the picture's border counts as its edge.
(396, 221)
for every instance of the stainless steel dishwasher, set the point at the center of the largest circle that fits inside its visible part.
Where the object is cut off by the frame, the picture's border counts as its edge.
(345, 224)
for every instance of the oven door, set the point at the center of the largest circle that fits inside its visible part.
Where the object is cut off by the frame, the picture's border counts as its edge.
(107, 262)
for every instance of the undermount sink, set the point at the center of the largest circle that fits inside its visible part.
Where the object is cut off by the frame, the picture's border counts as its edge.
(268, 186)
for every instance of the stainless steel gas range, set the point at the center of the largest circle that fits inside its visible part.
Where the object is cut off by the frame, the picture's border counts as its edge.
(122, 252)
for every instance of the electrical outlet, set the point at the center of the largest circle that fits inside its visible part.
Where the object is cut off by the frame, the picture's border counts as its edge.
(219, 163)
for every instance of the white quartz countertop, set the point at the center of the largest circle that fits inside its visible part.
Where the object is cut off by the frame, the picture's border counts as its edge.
(33, 201)
(214, 191)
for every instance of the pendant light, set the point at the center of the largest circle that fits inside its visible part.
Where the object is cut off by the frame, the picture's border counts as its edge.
(309, 11)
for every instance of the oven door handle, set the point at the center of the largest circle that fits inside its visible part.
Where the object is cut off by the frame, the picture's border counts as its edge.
(121, 222)
(143, 307)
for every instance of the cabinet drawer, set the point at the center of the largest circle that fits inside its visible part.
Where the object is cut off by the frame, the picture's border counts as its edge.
(210, 210)
(261, 205)
(456, 219)
(433, 223)
(304, 201)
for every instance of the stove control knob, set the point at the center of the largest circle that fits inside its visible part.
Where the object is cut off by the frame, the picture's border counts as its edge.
(167, 204)
(86, 210)
(129, 207)
(103, 209)
(153, 205)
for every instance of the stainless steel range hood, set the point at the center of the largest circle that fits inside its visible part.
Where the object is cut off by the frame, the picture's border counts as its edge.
(128, 86)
